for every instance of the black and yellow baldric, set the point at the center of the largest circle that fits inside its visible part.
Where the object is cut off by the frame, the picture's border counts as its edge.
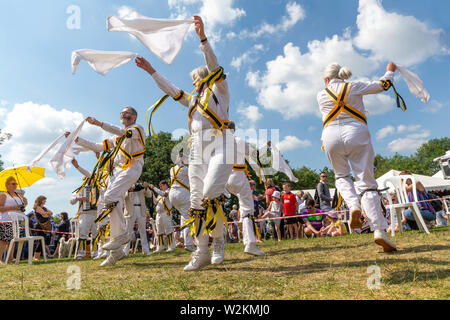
(341, 105)
(386, 85)
(130, 157)
(163, 201)
(175, 178)
(156, 106)
(208, 82)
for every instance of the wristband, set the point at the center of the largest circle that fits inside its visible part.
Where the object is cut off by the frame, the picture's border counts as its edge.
(204, 40)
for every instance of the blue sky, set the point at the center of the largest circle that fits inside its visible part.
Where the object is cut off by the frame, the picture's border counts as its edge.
(273, 54)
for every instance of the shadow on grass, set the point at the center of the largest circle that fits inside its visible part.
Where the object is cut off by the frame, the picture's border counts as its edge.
(410, 275)
(423, 248)
(324, 267)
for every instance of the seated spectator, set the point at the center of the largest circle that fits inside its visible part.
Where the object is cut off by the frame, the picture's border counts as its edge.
(441, 216)
(10, 203)
(275, 210)
(43, 226)
(312, 221)
(425, 207)
(335, 228)
(62, 229)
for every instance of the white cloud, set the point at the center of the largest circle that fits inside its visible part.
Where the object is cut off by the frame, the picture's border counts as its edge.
(3, 112)
(410, 143)
(291, 143)
(434, 106)
(247, 57)
(412, 130)
(251, 113)
(35, 126)
(295, 13)
(391, 36)
(126, 12)
(384, 132)
(216, 14)
(292, 80)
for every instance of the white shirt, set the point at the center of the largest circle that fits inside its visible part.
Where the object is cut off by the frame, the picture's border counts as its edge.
(220, 90)
(159, 203)
(355, 97)
(10, 202)
(130, 145)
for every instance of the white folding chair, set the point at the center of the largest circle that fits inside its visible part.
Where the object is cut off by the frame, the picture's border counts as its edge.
(399, 185)
(75, 231)
(20, 240)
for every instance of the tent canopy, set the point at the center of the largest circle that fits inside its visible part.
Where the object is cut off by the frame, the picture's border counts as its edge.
(430, 183)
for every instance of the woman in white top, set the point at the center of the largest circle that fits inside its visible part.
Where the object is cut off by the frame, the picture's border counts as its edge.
(346, 142)
(275, 210)
(10, 202)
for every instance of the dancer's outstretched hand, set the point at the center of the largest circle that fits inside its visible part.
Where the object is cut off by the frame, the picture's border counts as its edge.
(93, 121)
(391, 67)
(75, 163)
(199, 27)
(145, 65)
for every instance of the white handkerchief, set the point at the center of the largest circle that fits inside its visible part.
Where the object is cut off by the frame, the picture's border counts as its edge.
(44, 152)
(101, 61)
(414, 83)
(163, 37)
(65, 153)
(279, 164)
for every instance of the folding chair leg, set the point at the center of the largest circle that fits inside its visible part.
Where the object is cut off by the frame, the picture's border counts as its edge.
(76, 248)
(419, 219)
(30, 251)
(44, 250)
(393, 215)
(10, 251)
(19, 251)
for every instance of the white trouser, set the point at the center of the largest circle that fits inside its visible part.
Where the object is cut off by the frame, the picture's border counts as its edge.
(130, 222)
(118, 185)
(239, 185)
(348, 145)
(86, 224)
(210, 164)
(180, 199)
(164, 224)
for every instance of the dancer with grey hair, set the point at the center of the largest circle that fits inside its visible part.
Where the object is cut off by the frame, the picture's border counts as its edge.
(211, 152)
(346, 142)
(124, 166)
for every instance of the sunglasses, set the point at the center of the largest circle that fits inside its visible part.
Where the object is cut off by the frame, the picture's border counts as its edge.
(309, 208)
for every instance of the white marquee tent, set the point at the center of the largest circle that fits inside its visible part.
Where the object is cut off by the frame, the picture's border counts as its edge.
(430, 183)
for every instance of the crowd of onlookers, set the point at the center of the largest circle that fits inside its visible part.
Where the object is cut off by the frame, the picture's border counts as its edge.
(281, 214)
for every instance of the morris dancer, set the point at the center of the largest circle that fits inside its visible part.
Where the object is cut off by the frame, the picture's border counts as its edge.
(238, 184)
(164, 225)
(136, 211)
(125, 163)
(87, 196)
(211, 153)
(179, 196)
(346, 141)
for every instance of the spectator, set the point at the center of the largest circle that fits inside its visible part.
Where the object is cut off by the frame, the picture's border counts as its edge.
(270, 189)
(43, 225)
(10, 203)
(301, 201)
(290, 207)
(233, 227)
(275, 210)
(324, 193)
(335, 228)
(62, 229)
(441, 216)
(388, 216)
(425, 207)
(312, 222)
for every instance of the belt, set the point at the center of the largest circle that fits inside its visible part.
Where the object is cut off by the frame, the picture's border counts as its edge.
(337, 122)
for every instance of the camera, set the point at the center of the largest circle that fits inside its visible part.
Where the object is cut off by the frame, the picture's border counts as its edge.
(22, 208)
(138, 187)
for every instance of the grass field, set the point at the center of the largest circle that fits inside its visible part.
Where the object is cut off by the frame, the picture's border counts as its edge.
(324, 268)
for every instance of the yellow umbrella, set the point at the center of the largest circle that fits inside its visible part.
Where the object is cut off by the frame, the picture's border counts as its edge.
(24, 177)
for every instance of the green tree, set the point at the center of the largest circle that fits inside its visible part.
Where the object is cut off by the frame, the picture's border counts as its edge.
(3, 137)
